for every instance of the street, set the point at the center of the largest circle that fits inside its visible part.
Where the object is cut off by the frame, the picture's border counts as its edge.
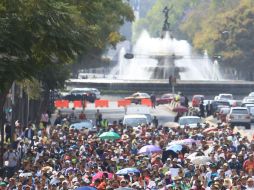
(162, 112)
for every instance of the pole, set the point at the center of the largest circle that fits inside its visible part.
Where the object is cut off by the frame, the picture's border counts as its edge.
(28, 107)
(173, 74)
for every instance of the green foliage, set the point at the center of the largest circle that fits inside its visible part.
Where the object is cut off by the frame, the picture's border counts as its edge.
(105, 18)
(35, 34)
(32, 87)
(222, 27)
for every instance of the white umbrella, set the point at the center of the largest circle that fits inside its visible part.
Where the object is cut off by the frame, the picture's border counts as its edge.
(200, 160)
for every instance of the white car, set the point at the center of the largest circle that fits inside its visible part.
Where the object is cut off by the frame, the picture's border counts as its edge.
(251, 94)
(225, 97)
(86, 124)
(137, 97)
(250, 107)
(96, 92)
(239, 116)
(135, 120)
(191, 121)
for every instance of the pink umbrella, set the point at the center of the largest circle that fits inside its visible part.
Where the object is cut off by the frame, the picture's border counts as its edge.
(100, 174)
(210, 129)
(183, 142)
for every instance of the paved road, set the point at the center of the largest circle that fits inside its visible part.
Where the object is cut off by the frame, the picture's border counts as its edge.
(244, 132)
(113, 113)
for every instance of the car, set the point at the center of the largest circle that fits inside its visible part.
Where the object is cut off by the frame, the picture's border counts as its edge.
(140, 110)
(239, 116)
(225, 97)
(251, 94)
(218, 104)
(247, 100)
(80, 94)
(96, 92)
(228, 97)
(251, 110)
(250, 107)
(191, 121)
(165, 99)
(196, 99)
(135, 120)
(137, 97)
(85, 124)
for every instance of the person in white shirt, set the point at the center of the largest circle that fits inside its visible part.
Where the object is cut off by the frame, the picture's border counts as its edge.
(11, 158)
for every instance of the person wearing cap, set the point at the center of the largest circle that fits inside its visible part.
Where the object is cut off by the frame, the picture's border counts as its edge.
(11, 158)
(175, 164)
(179, 183)
(233, 163)
(65, 185)
(211, 174)
(167, 178)
(241, 145)
(29, 132)
(227, 184)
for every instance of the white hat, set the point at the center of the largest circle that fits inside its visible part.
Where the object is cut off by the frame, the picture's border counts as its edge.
(74, 179)
(233, 156)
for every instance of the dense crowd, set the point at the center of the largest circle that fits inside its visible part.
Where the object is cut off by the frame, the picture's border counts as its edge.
(59, 157)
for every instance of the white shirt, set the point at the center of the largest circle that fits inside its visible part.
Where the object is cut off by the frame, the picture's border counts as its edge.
(11, 159)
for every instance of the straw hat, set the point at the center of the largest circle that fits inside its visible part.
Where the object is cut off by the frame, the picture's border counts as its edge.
(227, 182)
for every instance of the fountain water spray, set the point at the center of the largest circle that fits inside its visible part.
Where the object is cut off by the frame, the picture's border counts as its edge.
(153, 60)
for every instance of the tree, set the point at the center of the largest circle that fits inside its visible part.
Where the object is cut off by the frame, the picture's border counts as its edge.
(229, 34)
(104, 19)
(34, 35)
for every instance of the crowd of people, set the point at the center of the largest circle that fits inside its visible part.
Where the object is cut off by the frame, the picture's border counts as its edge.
(60, 157)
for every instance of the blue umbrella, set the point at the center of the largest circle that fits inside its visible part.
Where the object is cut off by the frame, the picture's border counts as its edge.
(175, 147)
(126, 171)
(86, 188)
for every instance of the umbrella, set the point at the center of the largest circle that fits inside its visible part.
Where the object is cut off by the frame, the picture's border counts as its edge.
(171, 125)
(86, 188)
(125, 137)
(126, 171)
(180, 109)
(200, 160)
(183, 142)
(100, 174)
(210, 129)
(167, 153)
(175, 147)
(148, 149)
(109, 135)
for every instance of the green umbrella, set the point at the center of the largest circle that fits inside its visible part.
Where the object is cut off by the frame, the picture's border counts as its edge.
(109, 135)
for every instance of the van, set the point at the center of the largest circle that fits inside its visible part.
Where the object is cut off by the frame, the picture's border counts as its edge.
(135, 120)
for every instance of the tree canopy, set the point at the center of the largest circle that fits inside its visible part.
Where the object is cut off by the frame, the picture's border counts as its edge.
(37, 36)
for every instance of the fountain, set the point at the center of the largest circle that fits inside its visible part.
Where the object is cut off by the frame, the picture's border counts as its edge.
(155, 57)
(160, 58)
(155, 60)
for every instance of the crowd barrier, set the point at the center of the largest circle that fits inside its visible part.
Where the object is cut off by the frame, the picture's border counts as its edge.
(146, 102)
(101, 103)
(123, 103)
(98, 103)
